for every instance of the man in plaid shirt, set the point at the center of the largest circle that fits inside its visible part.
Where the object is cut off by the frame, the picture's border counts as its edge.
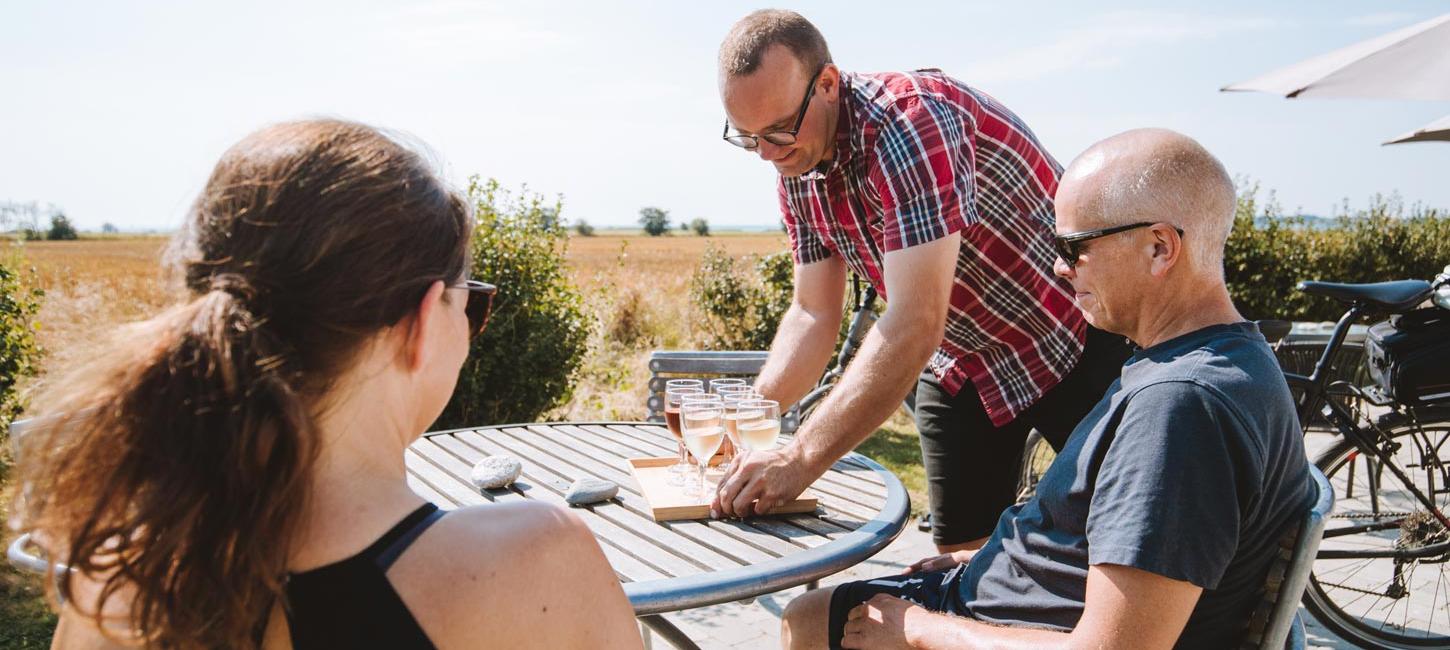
(941, 198)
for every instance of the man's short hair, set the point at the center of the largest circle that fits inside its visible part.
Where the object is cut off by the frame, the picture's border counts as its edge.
(1168, 177)
(756, 33)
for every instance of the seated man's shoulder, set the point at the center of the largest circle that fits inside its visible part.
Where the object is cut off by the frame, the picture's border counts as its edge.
(1230, 361)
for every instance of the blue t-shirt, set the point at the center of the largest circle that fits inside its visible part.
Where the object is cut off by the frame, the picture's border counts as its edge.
(1191, 467)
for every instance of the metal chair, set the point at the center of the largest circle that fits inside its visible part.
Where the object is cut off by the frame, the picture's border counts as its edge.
(1276, 623)
(670, 364)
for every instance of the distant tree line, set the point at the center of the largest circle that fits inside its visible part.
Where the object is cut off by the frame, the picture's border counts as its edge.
(26, 219)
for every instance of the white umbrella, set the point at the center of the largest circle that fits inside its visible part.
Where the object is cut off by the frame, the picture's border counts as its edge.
(1437, 130)
(1412, 63)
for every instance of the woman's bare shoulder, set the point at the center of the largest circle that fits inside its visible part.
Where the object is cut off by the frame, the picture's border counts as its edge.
(502, 570)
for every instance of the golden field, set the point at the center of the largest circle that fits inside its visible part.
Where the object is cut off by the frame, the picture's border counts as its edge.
(92, 285)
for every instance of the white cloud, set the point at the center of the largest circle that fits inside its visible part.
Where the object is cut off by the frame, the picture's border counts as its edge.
(1377, 19)
(1105, 43)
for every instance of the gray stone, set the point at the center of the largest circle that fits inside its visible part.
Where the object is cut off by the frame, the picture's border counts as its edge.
(495, 472)
(585, 491)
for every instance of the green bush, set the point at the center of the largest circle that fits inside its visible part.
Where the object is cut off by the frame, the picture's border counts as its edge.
(525, 361)
(1269, 252)
(18, 348)
(736, 309)
(700, 226)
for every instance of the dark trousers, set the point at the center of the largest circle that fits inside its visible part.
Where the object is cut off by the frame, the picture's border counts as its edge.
(972, 465)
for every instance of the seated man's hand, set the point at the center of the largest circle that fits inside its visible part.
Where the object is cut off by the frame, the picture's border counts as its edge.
(767, 479)
(880, 623)
(941, 562)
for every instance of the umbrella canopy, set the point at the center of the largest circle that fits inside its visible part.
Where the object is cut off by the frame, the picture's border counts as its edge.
(1412, 63)
(1437, 130)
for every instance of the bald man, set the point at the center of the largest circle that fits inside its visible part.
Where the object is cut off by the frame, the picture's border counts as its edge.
(1156, 525)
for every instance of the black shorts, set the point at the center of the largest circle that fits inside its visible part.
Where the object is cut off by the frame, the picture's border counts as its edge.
(935, 590)
(972, 466)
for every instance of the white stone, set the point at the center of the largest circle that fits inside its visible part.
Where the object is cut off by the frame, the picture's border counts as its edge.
(585, 491)
(495, 472)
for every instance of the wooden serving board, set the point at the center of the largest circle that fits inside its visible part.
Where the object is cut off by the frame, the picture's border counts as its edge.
(670, 503)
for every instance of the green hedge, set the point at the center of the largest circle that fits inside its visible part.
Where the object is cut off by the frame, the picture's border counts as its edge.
(525, 361)
(1269, 252)
(18, 348)
(739, 303)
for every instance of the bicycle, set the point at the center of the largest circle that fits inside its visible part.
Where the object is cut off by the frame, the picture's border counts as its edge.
(1365, 575)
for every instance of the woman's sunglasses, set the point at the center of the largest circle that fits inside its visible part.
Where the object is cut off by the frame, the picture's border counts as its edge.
(480, 304)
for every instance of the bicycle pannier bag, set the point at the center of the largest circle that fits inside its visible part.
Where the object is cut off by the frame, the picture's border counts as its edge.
(1409, 356)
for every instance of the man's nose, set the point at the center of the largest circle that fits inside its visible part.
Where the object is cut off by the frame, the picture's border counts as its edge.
(768, 151)
(1061, 269)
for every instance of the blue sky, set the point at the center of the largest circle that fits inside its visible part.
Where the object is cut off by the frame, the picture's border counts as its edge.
(116, 110)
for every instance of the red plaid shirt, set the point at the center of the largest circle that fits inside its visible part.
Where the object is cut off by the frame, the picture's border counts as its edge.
(920, 156)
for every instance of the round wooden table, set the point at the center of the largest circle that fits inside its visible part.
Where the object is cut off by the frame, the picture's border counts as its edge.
(675, 565)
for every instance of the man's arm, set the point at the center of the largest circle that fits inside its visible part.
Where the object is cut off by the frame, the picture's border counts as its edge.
(1124, 608)
(919, 281)
(807, 333)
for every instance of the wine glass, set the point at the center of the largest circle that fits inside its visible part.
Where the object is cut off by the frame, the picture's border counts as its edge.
(732, 400)
(717, 384)
(676, 390)
(702, 424)
(758, 423)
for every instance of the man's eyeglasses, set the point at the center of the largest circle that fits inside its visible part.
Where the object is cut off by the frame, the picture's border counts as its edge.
(479, 306)
(778, 138)
(1069, 246)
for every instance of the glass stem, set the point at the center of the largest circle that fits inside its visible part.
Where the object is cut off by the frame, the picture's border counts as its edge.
(684, 460)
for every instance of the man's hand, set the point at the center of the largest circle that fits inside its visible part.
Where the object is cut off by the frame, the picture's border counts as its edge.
(880, 623)
(941, 562)
(768, 479)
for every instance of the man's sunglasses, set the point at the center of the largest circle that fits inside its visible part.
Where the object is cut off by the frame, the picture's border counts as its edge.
(1069, 246)
(480, 304)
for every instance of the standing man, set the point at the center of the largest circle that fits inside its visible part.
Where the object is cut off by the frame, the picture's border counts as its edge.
(941, 198)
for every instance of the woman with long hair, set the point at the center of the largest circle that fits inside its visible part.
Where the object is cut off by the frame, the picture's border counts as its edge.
(230, 473)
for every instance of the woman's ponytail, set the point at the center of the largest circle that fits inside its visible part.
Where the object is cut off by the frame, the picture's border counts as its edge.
(186, 470)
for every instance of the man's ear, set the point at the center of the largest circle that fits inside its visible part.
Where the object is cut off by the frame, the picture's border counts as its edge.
(418, 335)
(1167, 249)
(830, 82)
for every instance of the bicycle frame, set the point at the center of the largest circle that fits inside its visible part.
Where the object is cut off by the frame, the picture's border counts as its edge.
(1316, 396)
(863, 317)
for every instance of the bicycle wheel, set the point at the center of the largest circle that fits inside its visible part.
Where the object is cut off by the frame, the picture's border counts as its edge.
(1387, 602)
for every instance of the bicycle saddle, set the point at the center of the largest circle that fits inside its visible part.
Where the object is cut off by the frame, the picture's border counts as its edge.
(1397, 296)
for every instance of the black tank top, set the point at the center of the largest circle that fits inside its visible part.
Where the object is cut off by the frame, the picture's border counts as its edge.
(351, 604)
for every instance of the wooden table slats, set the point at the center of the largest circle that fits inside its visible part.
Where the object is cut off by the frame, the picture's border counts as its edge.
(551, 488)
(639, 549)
